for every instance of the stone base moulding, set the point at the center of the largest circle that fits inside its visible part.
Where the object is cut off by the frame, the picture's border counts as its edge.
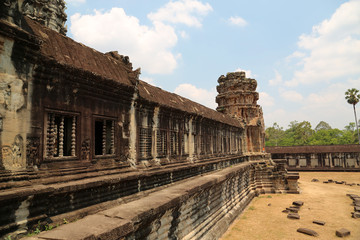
(198, 208)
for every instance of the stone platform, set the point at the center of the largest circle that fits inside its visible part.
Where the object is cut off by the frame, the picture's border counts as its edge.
(203, 189)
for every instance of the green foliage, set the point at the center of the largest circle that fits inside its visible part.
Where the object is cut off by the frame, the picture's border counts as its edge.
(274, 134)
(353, 97)
(322, 126)
(40, 227)
(301, 133)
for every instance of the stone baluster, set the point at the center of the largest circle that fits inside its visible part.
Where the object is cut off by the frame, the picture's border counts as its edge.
(51, 136)
(104, 138)
(73, 137)
(112, 147)
(61, 137)
(48, 136)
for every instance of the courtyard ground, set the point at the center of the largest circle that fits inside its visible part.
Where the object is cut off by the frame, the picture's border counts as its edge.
(264, 219)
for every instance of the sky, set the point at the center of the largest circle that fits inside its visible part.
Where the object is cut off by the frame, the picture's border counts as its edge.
(304, 54)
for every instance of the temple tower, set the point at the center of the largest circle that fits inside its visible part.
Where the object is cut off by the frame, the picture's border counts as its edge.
(50, 13)
(237, 97)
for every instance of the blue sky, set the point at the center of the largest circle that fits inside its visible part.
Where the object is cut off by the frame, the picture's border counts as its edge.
(304, 54)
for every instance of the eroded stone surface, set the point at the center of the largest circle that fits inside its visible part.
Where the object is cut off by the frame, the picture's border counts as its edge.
(343, 232)
(293, 216)
(308, 231)
(298, 203)
(237, 97)
(318, 222)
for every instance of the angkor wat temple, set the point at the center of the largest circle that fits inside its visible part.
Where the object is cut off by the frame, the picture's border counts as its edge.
(82, 135)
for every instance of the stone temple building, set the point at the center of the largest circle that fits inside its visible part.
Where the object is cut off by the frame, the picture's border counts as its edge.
(81, 133)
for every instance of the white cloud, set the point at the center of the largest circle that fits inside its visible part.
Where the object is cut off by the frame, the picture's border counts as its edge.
(247, 72)
(149, 80)
(238, 21)
(327, 104)
(75, 2)
(188, 12)
(200, 95)
(184, 34)
(290, 95)
(148, 47)
(277, 80)
(265, 100)
(279, 116)
(333, 48)
(295, 55)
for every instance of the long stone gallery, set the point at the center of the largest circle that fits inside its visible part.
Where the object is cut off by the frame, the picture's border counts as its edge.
(91, 149)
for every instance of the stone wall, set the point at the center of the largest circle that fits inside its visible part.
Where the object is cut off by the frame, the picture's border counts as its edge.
(46, 197)
(64, 104)
(197, 208)
(326, 158)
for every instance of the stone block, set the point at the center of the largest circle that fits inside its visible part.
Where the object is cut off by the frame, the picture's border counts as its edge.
(318, 222)
(293, 216)
(352, 196)
(315, 180)
(343, 232)
(356, 214)
(357, 209)
(298, 203)
(308, 232)
(294, 210)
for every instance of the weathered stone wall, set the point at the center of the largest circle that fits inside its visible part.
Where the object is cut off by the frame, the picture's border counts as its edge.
(49, 197)
(327, 158)
(65, 105)
(16, 90)
(197, 208)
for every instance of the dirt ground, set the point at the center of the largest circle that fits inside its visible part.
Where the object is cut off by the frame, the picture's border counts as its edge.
(264, 219)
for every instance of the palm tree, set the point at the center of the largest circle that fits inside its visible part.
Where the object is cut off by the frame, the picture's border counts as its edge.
(353, 97)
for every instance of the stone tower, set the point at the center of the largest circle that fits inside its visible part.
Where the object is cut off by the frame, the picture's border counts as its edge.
(238, 97)
(50, 13)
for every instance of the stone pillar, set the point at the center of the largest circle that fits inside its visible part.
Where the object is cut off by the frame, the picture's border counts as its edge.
(292, 181)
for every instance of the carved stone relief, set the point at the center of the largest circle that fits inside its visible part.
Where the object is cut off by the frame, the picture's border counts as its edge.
(12, 154)
(32, 151)
(12, 93)
(85, 149)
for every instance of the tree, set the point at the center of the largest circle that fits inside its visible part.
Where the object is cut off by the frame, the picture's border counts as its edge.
(299, 133)
(273, 135)
(353, 97)
(322, 126)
